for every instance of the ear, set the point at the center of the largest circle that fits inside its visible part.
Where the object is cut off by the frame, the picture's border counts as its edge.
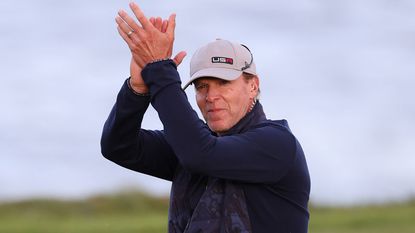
(254, 87)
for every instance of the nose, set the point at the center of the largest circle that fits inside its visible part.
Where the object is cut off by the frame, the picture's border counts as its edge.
(212, 94)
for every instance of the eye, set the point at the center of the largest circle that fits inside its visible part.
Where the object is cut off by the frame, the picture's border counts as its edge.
(200, 86)
(224, 82)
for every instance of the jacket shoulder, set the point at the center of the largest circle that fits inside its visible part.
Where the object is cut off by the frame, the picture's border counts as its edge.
(281, 124)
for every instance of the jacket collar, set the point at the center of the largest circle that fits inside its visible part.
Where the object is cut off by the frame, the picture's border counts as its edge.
(255, 116)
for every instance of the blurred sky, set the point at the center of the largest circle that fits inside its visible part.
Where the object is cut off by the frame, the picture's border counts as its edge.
(341, 72)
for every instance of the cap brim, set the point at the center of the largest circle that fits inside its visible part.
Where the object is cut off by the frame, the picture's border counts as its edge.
(221, 73)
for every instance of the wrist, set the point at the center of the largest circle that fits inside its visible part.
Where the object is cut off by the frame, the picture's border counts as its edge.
(140, 90)
(159, 60)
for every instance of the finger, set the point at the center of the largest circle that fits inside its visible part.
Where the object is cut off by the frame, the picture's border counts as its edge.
(164, 26)
(172, 24)
(179, 57)
(159, 23)
(125, 37)
(131, 34)
(123, 26)
(152, 20)
(140, 16)
(130, 21)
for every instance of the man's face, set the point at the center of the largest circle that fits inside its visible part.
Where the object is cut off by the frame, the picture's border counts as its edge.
(223, 103)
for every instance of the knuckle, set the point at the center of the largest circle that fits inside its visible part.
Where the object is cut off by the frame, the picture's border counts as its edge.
(141, 17)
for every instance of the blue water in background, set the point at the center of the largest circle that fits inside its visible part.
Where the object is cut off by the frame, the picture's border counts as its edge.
(341, 72)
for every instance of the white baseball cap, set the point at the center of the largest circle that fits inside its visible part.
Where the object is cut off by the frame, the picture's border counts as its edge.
(221, 59)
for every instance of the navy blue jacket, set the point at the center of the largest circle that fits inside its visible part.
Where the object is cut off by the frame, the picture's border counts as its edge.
(252, 179)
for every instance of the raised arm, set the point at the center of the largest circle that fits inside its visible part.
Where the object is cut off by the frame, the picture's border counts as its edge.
(125, 143)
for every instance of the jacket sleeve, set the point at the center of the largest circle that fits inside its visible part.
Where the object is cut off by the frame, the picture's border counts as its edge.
(125, 143)
(263, 154)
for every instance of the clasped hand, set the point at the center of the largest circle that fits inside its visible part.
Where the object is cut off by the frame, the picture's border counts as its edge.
(151, 41)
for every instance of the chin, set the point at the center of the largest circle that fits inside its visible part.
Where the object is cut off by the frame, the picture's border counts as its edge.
(218, 128)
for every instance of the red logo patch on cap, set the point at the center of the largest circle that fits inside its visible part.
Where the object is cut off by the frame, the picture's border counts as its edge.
(225, 60)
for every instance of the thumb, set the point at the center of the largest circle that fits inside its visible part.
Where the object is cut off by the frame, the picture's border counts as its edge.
(179, 57)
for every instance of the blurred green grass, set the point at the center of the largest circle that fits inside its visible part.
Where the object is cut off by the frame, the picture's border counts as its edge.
(139, 213)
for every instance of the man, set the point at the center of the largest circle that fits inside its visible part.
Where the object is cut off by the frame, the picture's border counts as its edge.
(239, 172)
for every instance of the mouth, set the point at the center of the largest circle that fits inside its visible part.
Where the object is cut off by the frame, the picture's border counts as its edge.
(215, 110)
